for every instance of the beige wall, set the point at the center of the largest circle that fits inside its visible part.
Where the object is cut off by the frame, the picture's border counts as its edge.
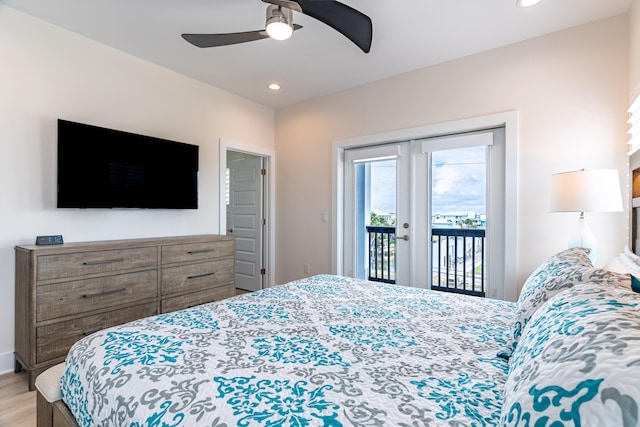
(634, 49)
(570, 90)
(48, 73)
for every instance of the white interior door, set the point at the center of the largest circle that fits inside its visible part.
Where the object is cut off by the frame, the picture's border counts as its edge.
(244, 218)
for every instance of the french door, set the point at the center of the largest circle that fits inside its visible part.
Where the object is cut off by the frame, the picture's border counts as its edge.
(377, 186)
(401, 198)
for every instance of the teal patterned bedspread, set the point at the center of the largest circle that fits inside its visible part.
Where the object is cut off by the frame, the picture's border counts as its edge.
(322, 351)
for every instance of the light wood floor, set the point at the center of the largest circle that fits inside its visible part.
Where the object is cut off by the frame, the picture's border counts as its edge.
(17, 403)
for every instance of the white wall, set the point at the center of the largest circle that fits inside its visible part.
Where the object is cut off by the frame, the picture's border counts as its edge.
(48, 73)
(570, 90)
(634, 49)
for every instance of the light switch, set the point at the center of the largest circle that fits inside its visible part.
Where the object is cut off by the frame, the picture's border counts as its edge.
(324, 217)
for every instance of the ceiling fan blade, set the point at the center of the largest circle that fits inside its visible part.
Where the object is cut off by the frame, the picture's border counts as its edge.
(353, 24)
(215, 40)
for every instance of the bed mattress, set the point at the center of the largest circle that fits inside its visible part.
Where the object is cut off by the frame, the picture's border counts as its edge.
(322, 351)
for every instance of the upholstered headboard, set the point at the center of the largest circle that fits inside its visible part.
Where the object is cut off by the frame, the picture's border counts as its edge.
(634, 172)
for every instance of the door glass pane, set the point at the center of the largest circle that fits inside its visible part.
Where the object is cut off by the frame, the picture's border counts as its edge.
(376, 184)
(458, 219)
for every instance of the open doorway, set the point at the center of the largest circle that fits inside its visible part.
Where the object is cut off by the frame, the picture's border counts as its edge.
(246, 209)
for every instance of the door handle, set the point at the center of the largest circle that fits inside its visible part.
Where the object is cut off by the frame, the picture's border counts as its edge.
(405, 237)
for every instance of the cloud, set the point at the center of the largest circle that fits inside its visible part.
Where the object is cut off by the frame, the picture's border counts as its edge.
(459, 183)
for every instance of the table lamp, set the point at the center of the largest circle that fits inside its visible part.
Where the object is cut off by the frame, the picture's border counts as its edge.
(596, 190)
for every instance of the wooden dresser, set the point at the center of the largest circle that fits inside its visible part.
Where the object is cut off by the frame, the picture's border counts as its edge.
(68, 291)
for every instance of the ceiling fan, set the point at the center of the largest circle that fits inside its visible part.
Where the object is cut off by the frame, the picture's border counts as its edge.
(351, 23)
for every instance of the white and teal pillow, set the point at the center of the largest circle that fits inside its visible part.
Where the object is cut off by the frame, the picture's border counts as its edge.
(577, 362)
(563, 270)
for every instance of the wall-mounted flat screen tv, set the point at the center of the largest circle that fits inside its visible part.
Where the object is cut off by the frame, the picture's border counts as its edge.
(106, 168)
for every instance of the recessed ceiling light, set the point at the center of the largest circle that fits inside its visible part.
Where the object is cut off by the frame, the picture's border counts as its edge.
(274, 86)
(527, 3)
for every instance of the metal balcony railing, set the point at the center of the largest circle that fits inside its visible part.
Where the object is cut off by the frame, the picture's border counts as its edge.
(458, 258)
(382, 253)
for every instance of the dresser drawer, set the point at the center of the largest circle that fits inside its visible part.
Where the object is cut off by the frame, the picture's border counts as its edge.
(65, 292)
(83, 263)
(86, 295)
(53, 341)
(194, 277)
(180, 302)
(196, 251)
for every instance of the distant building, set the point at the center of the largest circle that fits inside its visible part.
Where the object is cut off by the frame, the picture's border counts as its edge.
(458, 219)
(388, 217)
(444, 220)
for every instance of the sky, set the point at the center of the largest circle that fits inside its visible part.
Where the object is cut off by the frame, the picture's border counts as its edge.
(458, 182)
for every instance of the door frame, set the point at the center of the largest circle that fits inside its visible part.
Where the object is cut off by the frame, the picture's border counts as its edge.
(507, 119)
(269, 158)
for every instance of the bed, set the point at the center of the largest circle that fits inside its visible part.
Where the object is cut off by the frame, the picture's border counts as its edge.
(336, 351)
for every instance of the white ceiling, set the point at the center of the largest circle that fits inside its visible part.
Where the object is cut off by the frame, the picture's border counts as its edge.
(317, 60)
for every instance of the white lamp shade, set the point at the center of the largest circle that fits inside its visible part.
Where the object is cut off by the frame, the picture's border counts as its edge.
(596, 190)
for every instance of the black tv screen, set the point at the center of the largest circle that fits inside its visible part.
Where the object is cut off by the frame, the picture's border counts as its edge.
(106, 168)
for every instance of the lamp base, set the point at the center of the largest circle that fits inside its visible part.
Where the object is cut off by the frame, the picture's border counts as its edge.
(582, 237)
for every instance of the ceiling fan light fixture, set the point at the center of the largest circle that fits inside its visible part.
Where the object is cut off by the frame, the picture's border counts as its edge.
(527, 3)
(279, 22)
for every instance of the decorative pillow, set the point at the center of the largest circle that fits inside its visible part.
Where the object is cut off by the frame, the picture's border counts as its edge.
(623, 264)
(631, 256)
(578, 362)
(563, 270)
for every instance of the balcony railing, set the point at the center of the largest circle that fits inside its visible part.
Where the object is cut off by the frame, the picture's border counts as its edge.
(382, 253)
(458, 258)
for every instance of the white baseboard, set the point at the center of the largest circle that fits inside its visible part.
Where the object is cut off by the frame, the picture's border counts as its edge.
(6, 363)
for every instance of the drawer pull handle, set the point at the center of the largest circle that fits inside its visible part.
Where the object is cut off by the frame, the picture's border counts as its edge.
(102, 294)
(200, 275)
(105, 261)
(201, 251)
